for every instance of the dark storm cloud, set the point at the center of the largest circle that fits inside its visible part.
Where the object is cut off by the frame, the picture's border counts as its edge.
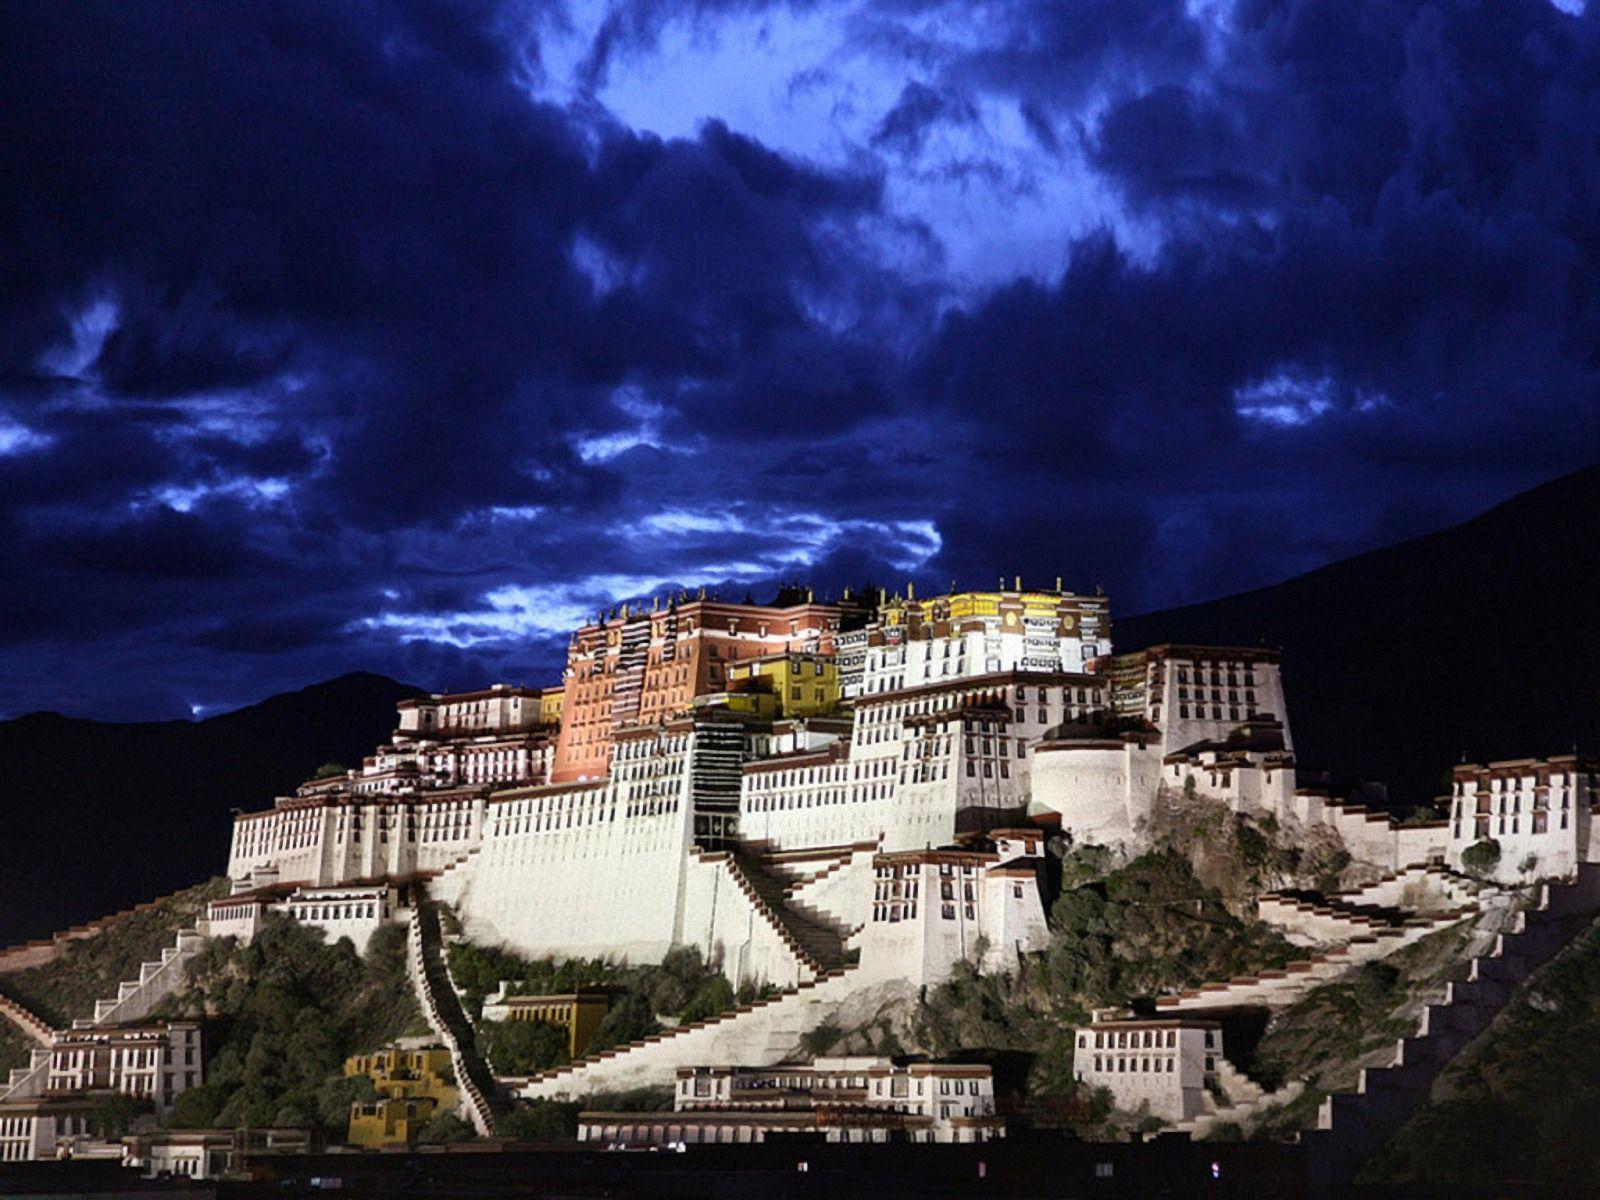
(906, 126)
(1379, 220)
(1057, 54)
(333, 338)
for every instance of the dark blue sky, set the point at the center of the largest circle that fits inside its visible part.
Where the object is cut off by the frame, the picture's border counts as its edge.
(398, 337)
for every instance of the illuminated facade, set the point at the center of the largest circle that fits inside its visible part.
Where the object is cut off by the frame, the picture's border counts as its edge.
(641, 667)
(1197, 694)
(578, 1013)
(801, 685)
(1537, 814)
(844, 1099)
(914, 642)
(413, 1084)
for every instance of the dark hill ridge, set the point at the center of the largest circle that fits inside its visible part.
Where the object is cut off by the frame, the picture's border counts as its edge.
(100, 816)
(1482, 639)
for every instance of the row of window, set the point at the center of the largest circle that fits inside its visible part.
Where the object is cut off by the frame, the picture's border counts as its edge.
(1124, 1039)
(1216, 674)
(815, 798)
(1121, 1065)
(1200, 713)
(1216, 695)
(1515, 783)
(347, 911)
(1539, 824)
(1541, 800)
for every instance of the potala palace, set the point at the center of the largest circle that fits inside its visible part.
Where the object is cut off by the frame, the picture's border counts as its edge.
(783, 786)
(837, 803)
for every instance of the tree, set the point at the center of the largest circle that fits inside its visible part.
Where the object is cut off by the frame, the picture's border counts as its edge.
(677, 979)
(336, 1095)
(329, 770)
(1149, 927)
(296, 1008)
(821, 1039)
(629, 1018)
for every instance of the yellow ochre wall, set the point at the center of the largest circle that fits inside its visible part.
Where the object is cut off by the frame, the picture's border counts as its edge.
(815, 676)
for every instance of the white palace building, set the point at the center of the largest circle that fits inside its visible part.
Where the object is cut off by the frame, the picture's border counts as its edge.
(847, 797)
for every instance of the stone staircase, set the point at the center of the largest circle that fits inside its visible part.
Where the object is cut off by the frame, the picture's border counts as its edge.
(157, 980)
(1244, 1100)
(1452, 887)
(33, 1025)
(762, 1032)
(42, 950)
(425, 966)
(1309, 918)
(1352, 1126)
(818, 946)
(1278, 986)
(28, 1083)
(134, 1000)
(804, 888)
(433, 874)
(800, 873)
(1373, 836)
(1284, 985)
(447, 883)
(822, 920)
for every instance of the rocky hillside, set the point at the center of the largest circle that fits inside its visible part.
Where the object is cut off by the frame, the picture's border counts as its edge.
(90, 968)
(1521, 1102)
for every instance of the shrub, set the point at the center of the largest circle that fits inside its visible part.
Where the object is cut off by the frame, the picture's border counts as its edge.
(1481, 858)
(539, 1121)
(197, 1107)
(712, 997)
(1085, 863)
(1146, 927)
(677, 980)
(15, 1048)
(1101, 1103)
(1516, 1108)
(445, 1127)
(1149, 927)
(644, 1099)
(683, 985)
(90, 969)
(522, 1047)
(629, 1018)
(821, 1039)
(336, 1095)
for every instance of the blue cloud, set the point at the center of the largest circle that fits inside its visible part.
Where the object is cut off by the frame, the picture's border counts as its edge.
(395, 337)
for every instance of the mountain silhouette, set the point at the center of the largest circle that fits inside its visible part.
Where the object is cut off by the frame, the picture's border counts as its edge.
(101, 815)
(1480, 640)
